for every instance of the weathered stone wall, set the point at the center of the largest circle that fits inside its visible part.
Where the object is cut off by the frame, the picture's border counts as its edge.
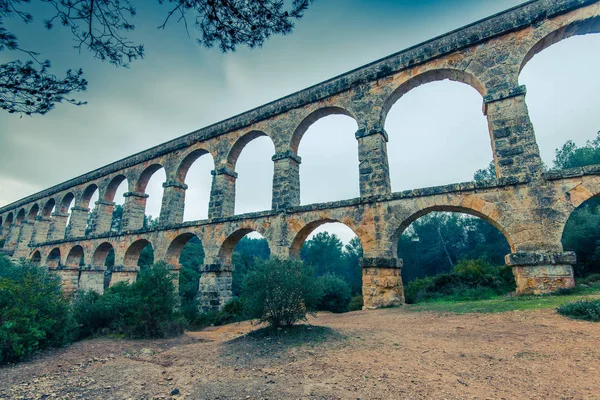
(528, 206)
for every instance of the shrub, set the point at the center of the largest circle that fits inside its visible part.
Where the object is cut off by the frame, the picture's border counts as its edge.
(588, 310)
(144, 309)
(356, 303)
(233, 311)
(281, 292)
(593, 279)
(34, 314)
(335, 294)
(469, 280)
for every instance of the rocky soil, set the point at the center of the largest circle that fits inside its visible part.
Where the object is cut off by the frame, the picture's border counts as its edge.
(383, 354)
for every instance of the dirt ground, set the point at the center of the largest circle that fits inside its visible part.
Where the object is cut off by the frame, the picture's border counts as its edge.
(383, 354)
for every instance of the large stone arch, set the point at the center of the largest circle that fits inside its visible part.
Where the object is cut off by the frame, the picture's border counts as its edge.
(303, 231)
(20, 216)
(75, 256)
(241, 142)
(100, 254)
(144, 177)
(33, 212)
(187, 162)
(54, 258)
(556, 34)
(8, 220)
(48, 208)
(311, 119)
(111, 189)
(226, 248)
(173, 252)
(133, 252)
(36, 258)
(66, 202)
(429, 76)
(87, 194)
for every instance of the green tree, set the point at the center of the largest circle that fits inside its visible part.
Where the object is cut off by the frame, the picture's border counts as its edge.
(102, 26)
(582, 235)
(324, 253)
(571, 156)
(485, 174)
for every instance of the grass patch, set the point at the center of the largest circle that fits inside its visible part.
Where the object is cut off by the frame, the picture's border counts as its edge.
(293, 336)
(588, 310)
(505, 303)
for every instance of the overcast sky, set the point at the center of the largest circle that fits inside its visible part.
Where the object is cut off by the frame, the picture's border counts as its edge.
(438, 134)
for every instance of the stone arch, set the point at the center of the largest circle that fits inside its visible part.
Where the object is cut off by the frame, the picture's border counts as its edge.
(175, 248)
(132, 255)
(307, 229)
(66, 202)
(428, 77)
(576, 28)
(75, 257)
(144, 178)
(111, 188)
(311, 119)
(87, 194)
(8, 220)
(20, 216)
(238, 147)
(53, 260)
(33, 212)
(100, 254)
(399, 230)
(226, 249)
(36, 258)
(47, 210)
(185, 164)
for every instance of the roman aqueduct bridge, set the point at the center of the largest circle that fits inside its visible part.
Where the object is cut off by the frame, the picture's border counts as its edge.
(529, 206)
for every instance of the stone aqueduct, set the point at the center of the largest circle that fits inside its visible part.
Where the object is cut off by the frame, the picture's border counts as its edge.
(529, 206)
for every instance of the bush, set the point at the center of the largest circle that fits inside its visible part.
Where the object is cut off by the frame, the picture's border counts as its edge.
(281, 292)
(356, 303)
(588, 310)
(143, 309)
(34, 314)
(593, 279)
(469, 280)
(335, 294)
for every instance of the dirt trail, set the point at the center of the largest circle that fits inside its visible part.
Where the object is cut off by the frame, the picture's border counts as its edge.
(383, 354)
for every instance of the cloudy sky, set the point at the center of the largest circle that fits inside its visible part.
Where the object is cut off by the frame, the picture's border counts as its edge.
(438, 134)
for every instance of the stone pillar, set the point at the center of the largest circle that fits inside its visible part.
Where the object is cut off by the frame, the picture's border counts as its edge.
(78, 222)
(25, 236)
(174, 269)
(14, 230)
(173, 203)
(134, 211)
(286, 180)
(58, 225)
(374, 169)
(516, 152)
(123, 274)
(92, 278)
(222, 193)
(215, 287)
(69, 277)
(542, 272)
(102, 217)
(382, 282)
(41, 229)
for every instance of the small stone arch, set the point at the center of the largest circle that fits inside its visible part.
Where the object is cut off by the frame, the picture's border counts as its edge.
(582, 27)
(311, 119)
(8, 220)
(36, 258)
(66, 202)
(399, 230)
(87, 194)
(145, 176)
(239, 145)
(111, 188)
(75, 257)
(187, 162)
(100, 254)
(20, 216)
(33, 212)
(47, 210)
(226, 249)
(132, 255)
(428, 77)
(306, 230)
(53, 260)
(175, 248)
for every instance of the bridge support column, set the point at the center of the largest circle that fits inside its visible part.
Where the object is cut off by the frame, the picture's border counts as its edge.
(58, 224)
(542, 272)
(102, 218)
(92, 278)
(382, 282)
(134, 211)
(286, 180)
(373, 162)
(215, 287)
(516, 152)
(173, 203)
(41, 229)
(12, 237)
(78, 222)
(222, 193)
(25, 236)
(123, 274)
(69, 278)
